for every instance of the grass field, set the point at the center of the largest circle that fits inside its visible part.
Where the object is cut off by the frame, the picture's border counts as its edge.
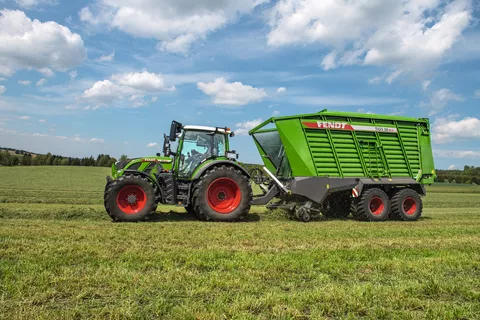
(62, 258)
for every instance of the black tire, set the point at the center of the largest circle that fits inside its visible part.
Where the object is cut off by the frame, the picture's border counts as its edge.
(189, 208)
(338, 206)
(229, 183)
(406, 205)
(121, 210)
(373, 205)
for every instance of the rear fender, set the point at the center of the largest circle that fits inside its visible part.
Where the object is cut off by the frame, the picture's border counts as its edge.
(215, 163)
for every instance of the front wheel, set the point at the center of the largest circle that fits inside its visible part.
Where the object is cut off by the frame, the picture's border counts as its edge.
(129, 199)
(222, 194)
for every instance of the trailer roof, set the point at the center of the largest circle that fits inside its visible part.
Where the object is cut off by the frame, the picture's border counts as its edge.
(325, 112)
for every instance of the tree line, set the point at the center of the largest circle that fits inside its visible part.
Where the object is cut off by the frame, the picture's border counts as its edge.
(28, 159)
(469, 175)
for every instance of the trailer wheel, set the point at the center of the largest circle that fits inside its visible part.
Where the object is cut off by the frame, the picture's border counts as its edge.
(406, 205)
(129, 199)
(222, 194)
(373, 205)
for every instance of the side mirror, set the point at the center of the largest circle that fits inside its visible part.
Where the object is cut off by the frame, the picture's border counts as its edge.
(176, 127)
(166, 146)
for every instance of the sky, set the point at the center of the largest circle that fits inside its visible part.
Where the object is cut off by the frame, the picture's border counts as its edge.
(79, 78)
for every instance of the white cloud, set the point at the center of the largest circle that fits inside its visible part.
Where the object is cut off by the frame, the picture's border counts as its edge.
(144, 81)
(41, 82)
(446, 131)
(393, 76)
(152, 145)
(2, 79)
(2, 90)
(328, 61)
(42, 121)
(461, 154)
(477, 93)
(244, 127)
(109, 57)
(376, 80)
(409, 35)
(176, 24)
(34, 3)
(73, 74)
(275, 113)
(31, 44)
(281, 90)
(132, 86)
(24, 82)
(106, 92)
(439, 99)
(452, 167)
(97, 140)
(426, 84)
(24, 118)
(231, 94)
(363, 110)
(181, 44)
(47, 72)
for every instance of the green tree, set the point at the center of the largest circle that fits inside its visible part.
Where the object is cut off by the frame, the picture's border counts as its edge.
(15, 161)
(27, 159)
(123, 157)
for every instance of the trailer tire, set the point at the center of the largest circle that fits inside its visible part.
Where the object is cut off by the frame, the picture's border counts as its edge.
(373, 205)
(134, 188)
(406, 205)
(223, 193)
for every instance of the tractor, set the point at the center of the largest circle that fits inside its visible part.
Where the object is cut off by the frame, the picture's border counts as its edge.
(202, 175)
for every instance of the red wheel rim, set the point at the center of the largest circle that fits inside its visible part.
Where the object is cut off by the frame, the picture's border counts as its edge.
(131, 199)
(409, 206)
(224, 195)
(376, 206)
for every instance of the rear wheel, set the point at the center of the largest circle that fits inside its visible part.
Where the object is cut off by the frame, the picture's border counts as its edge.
(130, 198)
(406, 205)
(222, 194)
(373, 205)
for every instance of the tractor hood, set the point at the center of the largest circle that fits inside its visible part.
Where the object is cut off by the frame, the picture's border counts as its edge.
(148, 165)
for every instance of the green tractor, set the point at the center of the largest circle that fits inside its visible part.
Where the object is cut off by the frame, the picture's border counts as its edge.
(202, 175)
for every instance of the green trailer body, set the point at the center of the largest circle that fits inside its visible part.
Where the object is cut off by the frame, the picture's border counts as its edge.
(345, 145)
(322, 155)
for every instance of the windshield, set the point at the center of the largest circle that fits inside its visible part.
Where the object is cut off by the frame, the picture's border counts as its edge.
(197, 147)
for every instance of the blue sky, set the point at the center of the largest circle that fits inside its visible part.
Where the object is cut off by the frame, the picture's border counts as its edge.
(108, 76)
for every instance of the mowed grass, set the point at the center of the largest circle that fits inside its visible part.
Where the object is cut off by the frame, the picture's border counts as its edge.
(62, 258)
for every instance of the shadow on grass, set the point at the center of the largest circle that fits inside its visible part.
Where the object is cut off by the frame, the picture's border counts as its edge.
(185, 216)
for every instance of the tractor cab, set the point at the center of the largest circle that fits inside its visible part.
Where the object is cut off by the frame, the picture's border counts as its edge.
(196, 145)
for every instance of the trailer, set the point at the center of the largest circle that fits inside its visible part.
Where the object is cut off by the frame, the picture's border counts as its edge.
(340, 163)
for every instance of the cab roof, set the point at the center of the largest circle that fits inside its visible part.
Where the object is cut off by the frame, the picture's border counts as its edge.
(209, 129)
